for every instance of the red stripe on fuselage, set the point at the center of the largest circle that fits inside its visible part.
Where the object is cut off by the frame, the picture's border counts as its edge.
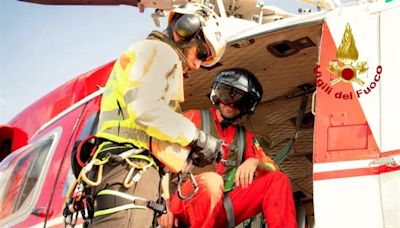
(353, 172)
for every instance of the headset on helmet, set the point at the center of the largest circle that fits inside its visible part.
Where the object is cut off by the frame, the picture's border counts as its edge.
(198, 21)
(238, 87)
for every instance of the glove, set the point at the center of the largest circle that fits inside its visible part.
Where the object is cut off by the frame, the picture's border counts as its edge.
(205, 149)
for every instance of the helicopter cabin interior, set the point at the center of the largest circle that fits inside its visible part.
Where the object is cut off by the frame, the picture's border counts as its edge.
(283, 61)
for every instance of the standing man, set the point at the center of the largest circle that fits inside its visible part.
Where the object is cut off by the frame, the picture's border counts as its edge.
(251, 182)
(139, 131)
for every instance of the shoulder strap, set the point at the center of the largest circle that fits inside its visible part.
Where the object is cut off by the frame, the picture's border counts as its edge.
(240, 134)
(240, 140)
(205, 121)
(230, 215)
(155, 35)
(240, 137)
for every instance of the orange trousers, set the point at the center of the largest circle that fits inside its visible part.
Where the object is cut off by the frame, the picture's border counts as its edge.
(270, 193)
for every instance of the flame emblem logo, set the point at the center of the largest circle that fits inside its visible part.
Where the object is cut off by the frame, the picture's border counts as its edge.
(347, 68)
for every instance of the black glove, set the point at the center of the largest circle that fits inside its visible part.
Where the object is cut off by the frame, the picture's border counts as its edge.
(205, 149)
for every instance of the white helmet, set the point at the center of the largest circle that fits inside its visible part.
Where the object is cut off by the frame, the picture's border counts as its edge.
(205, 20)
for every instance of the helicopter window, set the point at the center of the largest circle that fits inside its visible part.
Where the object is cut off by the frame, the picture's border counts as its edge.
(21, 173)
(90, 126)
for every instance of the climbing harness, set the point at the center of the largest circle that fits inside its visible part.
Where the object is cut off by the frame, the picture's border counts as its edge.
(235, 151)
(122, 201)
(79, 201)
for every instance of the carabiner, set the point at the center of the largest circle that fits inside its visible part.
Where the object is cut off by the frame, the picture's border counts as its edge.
(99, 176)
(194, 184)
(129, 181)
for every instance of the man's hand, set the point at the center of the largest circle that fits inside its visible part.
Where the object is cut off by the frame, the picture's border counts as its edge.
(168, 220)
(205, 149)
(245, 172)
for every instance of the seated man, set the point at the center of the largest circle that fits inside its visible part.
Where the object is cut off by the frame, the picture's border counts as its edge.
(231, 194)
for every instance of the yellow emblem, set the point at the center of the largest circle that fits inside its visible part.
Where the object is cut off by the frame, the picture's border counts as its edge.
(257, 144)
(347, 68)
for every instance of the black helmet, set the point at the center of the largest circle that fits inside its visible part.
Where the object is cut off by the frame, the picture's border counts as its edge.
(238, 87)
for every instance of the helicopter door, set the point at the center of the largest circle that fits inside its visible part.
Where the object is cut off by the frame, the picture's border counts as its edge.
(347, 189)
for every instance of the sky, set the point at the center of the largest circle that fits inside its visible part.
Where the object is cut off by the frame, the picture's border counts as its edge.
(43, 46)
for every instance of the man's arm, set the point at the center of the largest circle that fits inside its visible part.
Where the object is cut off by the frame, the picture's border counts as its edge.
(254, 149)
(256, 163)
(155, 79)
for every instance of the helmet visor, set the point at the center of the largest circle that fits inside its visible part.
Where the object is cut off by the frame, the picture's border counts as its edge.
(233, 97)
(228, 95)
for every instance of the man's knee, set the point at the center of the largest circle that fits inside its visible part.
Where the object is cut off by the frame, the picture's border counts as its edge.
(275, 178)
(212, 183)
(282, 177)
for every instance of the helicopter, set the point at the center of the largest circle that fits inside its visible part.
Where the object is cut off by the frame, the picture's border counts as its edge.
(328, 117)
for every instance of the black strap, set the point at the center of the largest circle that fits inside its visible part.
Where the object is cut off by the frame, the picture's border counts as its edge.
(230, 215)
(282, 154)
(159, 207)
(301, 112)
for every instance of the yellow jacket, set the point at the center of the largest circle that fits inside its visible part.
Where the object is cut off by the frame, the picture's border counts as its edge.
(135, 105)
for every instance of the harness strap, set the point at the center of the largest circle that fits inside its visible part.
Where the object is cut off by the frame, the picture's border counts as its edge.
(119, 152)
(110, 152)
(110, 201)
(205, 121)
(230, 215)
(240, 139)
(229, 180)
(240, 142)
(155, 35)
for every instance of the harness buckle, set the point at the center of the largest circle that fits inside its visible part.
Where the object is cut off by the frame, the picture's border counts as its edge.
(158, 207)
(230, 163)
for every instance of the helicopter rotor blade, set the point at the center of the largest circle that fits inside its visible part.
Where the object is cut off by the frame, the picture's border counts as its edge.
(84, 2)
